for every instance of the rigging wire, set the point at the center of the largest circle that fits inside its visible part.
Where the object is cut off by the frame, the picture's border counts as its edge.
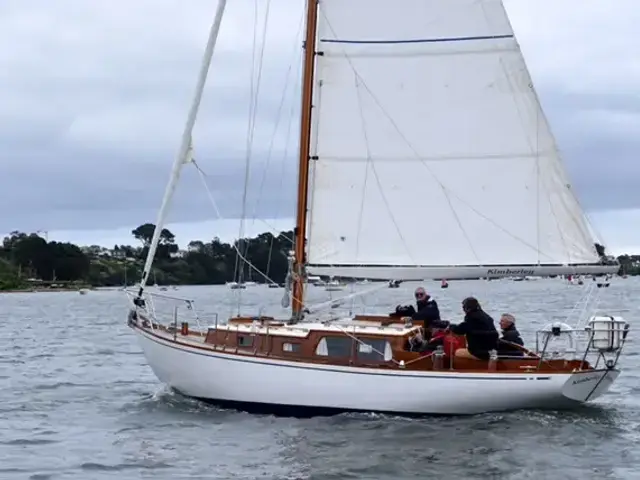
(447, 191)
(272, 144)
(214, 204)
(580, 221)
(203, 178)
(283, 165)
(253, 101)
(238, 266)
(251, 125)
(370, 162)
(283, 159)
(313, 308)
(403, 137)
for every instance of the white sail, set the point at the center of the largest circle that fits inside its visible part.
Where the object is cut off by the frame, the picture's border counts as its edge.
(430, 146)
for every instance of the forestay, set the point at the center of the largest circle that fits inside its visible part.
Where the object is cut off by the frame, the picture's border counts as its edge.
(431, 149)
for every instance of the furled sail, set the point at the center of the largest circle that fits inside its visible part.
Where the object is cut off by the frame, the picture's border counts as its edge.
(431, 156)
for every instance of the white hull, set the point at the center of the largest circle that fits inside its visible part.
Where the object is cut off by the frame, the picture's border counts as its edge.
(204, 374)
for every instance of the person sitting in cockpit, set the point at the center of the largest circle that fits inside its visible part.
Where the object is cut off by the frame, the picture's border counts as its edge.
(426, 310)
(478, 329)
(510, 340)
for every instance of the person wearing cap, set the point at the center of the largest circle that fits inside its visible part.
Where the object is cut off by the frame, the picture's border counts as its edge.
(478, 328)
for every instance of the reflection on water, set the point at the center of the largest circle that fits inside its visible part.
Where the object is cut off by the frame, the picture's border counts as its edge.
(80, 402)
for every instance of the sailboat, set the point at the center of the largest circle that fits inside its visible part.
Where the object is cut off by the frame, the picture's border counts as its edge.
(334, 285)
(421, 108)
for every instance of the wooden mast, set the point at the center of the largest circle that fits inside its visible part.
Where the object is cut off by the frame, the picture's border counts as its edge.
(303, 166)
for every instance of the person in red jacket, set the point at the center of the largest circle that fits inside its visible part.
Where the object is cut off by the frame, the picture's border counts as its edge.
(449, 342)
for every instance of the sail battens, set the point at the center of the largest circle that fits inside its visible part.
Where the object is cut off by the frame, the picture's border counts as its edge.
(417, 40)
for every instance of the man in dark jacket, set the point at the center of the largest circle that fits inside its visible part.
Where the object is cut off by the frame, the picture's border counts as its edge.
(479, 330)
(427, 313)
(427, 310)
(510, 337)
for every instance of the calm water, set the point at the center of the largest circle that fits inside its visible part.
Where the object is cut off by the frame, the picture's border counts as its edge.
(79, 402)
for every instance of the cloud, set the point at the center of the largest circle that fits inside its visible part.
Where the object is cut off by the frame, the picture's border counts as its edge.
(98, 98)
(94, 97)
(618, 229)
(580, 59)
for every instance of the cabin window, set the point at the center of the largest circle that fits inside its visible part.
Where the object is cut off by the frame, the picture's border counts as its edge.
(291, 347)
(334, 347)
(245, 341)
(374, 350)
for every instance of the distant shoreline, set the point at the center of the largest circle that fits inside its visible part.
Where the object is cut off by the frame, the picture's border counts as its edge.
(41, 290)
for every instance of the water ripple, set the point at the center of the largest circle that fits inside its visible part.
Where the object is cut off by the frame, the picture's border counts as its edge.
(84, 405)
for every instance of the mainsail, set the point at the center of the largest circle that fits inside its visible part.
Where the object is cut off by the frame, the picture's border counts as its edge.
(430, 154)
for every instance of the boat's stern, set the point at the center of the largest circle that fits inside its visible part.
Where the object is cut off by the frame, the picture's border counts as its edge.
(589, 384)
(605, 339)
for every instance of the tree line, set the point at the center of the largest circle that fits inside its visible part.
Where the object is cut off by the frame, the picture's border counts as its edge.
(28, 259)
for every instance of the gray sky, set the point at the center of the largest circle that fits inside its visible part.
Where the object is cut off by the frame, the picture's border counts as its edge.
(93, 96)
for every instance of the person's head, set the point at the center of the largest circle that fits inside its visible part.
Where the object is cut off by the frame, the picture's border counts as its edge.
(421, 294)
(506, 320)
(470, 304)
